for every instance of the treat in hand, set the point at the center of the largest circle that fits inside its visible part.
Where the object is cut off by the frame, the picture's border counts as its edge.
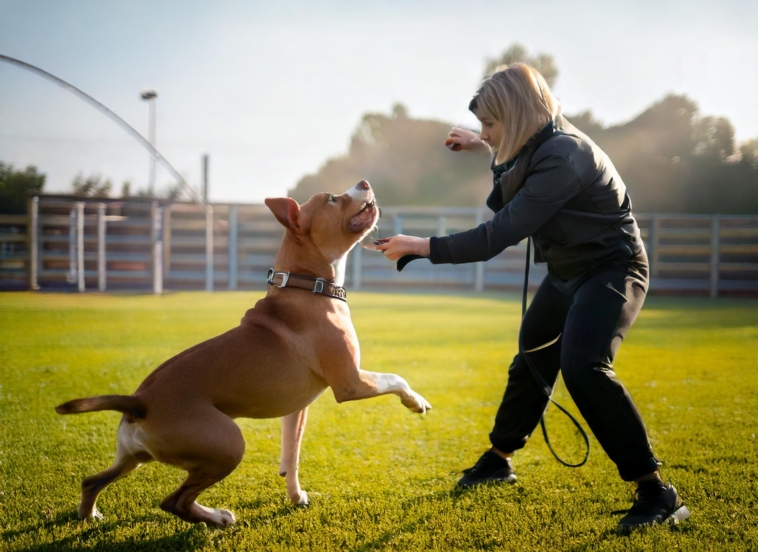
(372, 246)
(452, 145)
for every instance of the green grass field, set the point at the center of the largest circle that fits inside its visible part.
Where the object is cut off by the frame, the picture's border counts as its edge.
(379, 477)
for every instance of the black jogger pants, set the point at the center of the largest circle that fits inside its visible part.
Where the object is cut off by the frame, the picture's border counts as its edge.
(589, 325)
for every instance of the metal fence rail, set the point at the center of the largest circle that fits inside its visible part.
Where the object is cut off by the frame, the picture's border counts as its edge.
(86, 244)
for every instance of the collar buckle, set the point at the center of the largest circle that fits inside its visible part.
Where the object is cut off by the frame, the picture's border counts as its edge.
(318, 287)
(271, 275)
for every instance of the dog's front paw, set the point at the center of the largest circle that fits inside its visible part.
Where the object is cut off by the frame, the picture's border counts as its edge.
(416, 403)
(300, 499)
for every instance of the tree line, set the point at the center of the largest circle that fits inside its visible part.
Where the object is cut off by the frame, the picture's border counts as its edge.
(18, 185)
(671, 157)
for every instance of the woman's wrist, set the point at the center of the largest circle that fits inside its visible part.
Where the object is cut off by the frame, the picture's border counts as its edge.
(424, 248)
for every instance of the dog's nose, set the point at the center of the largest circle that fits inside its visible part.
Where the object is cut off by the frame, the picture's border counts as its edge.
(363, 185)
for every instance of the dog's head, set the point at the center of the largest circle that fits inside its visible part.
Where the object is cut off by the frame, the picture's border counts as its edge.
(333, 223)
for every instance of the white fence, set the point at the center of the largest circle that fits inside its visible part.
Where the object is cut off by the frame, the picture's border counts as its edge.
(85, 244)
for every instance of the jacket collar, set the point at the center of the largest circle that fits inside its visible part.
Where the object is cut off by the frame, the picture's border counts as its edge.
(539, 138)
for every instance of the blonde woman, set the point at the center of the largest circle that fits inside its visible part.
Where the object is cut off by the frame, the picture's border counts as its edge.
(552, 183)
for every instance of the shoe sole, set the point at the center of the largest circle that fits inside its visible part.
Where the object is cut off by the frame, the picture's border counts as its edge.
(680, 514)
(508, 480)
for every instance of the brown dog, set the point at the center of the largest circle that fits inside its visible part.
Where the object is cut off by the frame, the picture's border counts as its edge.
(287, 349)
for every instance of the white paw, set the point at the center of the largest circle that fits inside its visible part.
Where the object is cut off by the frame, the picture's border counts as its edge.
(221, 518)
(416, 403)
(93, 514)
(301, 499)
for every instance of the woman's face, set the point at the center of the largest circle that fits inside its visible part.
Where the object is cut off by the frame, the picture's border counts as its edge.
(492, 131)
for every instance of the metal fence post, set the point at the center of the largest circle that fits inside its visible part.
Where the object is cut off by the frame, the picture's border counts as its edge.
(398, 224)
(101, 246)
(479, 267)
(166, 242)
(441, 226)
(33, 246)
(71, 276)
(715, 254)
(654, 237)
(208, 248)
(357, 266)
(80, 244)
(233, 235)
(157, 238)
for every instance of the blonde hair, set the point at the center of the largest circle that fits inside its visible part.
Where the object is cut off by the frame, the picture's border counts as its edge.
(518, 97)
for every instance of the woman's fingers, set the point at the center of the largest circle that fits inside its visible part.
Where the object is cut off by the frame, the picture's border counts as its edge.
(393, 248)
(397, 246)
(459, 139)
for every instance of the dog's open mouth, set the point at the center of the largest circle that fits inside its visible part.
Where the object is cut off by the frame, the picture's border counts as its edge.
(366, 216)
(369, 205)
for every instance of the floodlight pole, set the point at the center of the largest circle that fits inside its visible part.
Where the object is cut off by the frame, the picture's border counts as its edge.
(150, 96)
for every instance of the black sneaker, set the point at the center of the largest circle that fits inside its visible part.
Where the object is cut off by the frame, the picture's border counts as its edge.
(655, 502)
(490, 467)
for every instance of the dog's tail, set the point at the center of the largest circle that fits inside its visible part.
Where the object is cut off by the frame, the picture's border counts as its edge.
(127, 404)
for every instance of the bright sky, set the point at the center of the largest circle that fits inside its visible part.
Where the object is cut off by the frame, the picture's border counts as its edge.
(272, 89)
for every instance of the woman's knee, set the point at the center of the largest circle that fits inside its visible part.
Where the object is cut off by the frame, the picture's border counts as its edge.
(581, 375)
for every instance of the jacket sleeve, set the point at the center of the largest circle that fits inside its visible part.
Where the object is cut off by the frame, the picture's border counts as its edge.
(550, 184)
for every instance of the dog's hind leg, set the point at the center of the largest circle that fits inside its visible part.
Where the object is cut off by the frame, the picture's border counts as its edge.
(293, 427)
(128, 458)
(92, 485)
(210, 448)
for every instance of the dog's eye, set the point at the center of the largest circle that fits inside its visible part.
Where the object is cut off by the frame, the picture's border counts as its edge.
(332, 198)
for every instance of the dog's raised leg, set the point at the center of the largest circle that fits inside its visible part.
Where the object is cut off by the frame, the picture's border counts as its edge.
(293, 427)
(372, 384)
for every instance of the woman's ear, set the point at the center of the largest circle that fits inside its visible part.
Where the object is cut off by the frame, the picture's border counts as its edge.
(286, 210)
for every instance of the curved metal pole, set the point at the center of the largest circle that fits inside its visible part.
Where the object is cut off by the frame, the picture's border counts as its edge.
(144, 142)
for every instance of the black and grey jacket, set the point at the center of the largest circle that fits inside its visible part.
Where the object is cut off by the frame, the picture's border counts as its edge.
(565, 192)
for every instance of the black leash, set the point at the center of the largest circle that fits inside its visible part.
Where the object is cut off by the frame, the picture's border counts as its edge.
(544, 387)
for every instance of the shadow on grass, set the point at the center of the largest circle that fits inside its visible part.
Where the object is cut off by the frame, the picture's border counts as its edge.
(94, 534)
(381, 542)
(92, 530)
(605, 537)
(192, 539)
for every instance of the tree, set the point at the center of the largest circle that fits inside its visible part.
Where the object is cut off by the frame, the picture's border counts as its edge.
(714, 138)
(92, 186)
(405, 162)
(675, 160)
(16, 187)
(544, 63)
(749, 154)
(126, 189)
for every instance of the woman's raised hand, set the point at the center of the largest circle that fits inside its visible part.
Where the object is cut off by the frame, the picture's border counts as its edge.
(400, 245)
(460, 139)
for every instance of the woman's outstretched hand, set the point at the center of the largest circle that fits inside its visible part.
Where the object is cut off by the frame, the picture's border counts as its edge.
(398, 246)
(460, 139)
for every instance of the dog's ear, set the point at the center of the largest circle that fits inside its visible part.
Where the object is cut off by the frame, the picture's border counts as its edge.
(286, 210)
